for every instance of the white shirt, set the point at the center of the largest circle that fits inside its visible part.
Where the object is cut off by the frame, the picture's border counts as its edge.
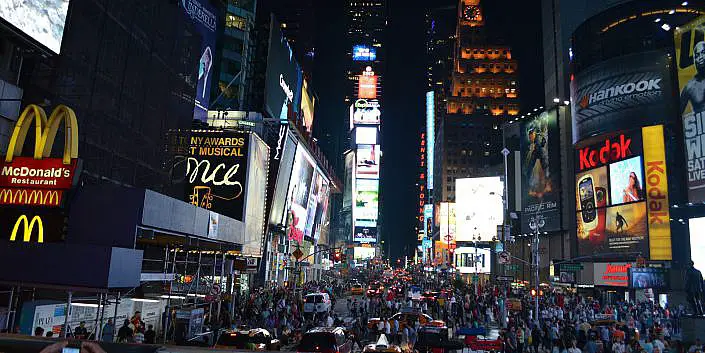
(387, 327)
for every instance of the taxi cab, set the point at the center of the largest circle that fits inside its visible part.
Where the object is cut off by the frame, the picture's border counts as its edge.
(382, 346)
(357, 289)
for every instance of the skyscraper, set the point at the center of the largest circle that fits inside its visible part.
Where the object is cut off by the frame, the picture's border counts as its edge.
(366, 23)
(482, 93)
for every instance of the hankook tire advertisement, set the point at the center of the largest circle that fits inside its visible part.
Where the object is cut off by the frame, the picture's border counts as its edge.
(621, 93)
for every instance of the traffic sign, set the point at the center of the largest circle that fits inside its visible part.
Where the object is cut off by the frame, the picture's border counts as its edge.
(504, 257)
(297, 254)
(505, 278)
(475, 278)
(571, 267)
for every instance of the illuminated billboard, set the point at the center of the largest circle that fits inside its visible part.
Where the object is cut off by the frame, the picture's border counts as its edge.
(43, 21)
(479, 207)
(690, 63)
(302, 175)
(284, 78)
(365, 232)
(697, 245)
(366, 199)
(617, 176)
(612, 274)
(428, 220)
(472, 260)
(255, 209)
(448, 221)
(430, 136)
(364, 53)
(204, 17)
(308, 105)
(363, 253)
(216, 171)
(365, 135)
(367, 162)
(367, 85)
(366, 111)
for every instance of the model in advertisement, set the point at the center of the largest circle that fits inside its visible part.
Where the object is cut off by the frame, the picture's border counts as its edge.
(204, 69)
(633, 191)
(694, 90)
(536, 161)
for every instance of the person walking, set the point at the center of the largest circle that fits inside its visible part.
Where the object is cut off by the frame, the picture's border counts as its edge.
(108, 332)
(125, 332)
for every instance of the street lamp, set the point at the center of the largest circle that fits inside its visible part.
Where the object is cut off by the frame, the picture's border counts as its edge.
(476, 238)
(536, 223)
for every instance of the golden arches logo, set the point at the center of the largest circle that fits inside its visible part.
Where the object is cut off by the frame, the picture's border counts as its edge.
(45, 132)
(28, 227)
(30, 197)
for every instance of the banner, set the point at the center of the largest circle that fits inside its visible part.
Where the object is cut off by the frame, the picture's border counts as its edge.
(690, 62)
(205, 20)
(540, 181)
(216, 171)
(657, 193)
(621, 93)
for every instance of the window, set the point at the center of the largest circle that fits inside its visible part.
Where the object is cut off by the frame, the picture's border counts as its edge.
(233, 21)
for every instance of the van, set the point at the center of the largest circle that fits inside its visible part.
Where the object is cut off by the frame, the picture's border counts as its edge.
(317, 303)
(325, 340)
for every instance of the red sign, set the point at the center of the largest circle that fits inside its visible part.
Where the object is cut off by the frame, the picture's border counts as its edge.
(27, 172)
(31, 197)
(610, 150)
(483, 345)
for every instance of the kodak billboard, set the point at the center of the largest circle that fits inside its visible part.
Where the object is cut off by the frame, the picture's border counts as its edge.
(32, 189)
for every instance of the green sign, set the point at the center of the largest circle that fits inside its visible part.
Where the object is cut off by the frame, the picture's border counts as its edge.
(571, 267)
(475, 278)
(512, 267)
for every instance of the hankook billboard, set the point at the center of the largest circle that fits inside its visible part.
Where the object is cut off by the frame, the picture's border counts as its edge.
(284, 78)
(621, 93)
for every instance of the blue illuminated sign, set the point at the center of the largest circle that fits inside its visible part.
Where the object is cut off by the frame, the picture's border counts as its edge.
(430, 136)
(364, 53)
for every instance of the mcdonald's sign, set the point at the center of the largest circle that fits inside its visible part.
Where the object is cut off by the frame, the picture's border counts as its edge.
(31, 180)
(26, 224)
(28, 227)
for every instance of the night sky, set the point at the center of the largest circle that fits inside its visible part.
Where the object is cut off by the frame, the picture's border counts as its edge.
(513, 22)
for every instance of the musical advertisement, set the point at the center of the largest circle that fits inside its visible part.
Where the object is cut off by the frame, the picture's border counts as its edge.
(690, 63)
(216, 171)
(540, 182)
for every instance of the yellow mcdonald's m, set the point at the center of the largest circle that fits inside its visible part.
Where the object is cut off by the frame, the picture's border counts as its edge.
(28, 227)
(45, 132)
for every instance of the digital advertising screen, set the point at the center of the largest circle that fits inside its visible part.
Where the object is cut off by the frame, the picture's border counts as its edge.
(479, 207)
(690, 63)
(612, 194)
(621, 93)
(612, 274)
(363, 253)
(367, 86)
(364, 53)
(430, 137)
(365, 135)
(302, 175)
(322, 209)
(255, 209)
(308, 105)
(540, 182)
(365, 234)
(277, 215)
(366, 112)
(697, 243)
(43, 21)
(472, 260)
(428, 220)
(216, 170)
(367, 162)
(366, 199)
(643, 278)
(283, 78)
(205, 20)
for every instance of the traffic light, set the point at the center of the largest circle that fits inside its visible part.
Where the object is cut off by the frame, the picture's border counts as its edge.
(336, 256)
(533, 292)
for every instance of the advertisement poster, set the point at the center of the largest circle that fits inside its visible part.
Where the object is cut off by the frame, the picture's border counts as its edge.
(367, 86)
(366, 199)
(216, 171)
(479, 207)
(366, 111)
(299, 191)
(321, 215)
(643, 278)
(284, 77)
(205, 20)
(43, 21)
(428, 220)
(308, 106)
(611, 196)
(364, 53)
(367, 162)
(365, 135)
(256, 197)
(365, 234)
(540, 182)
(658, 211)
(613, 274)
(621, 93)
(690, 63)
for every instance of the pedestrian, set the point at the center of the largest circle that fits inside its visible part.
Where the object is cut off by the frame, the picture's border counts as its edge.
(39, 331)
(139, 335)
(108, 331)
(150, 335)
(81, 333)
(125, 333)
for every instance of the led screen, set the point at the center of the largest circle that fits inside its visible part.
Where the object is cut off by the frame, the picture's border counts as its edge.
(627, 181)
(365, 234)
(643, 278)
(308, 105)
(366, 199)
(366, 111)
(256, 197)
(366, 135)
(697, 242)
(284, 77)
(448, 218)
(479, 207)
(277, 213)
(42, 21)
(364, 53)
(367, 162)
(472, 260)
(302, 175)
(363, 253)
(203, 15)
(367, 86)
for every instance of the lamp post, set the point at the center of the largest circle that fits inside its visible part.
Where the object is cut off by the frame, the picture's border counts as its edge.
(475, 238)
(536, 223)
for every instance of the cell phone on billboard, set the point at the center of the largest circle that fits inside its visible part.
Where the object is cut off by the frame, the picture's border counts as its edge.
(588, 202)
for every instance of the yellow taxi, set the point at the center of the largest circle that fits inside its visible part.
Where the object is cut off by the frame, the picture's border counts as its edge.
(357, 289)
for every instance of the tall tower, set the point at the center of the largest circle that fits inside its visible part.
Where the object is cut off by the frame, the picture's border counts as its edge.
(366, 23)
(483, 93)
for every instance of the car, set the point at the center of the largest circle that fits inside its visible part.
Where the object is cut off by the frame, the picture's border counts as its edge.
(434, 339)
(317, 303)
(257, 339)
(357, 289)
(407, 317)
(325, 340)
(382, 346)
